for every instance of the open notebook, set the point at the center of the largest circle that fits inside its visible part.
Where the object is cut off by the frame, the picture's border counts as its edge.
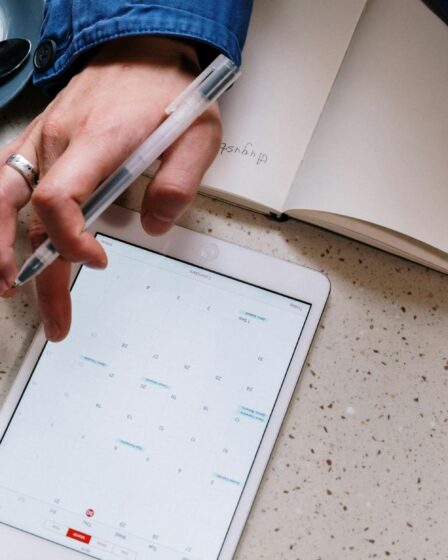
(341, 119)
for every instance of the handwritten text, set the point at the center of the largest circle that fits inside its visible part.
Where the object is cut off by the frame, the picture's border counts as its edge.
(248, 151)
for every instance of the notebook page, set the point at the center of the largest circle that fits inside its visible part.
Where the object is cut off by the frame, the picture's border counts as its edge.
(291, 58)
(379, 153)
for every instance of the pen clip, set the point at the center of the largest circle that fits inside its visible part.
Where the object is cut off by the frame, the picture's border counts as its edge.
(219, 63)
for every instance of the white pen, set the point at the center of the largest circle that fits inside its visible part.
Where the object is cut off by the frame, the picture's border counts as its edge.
(183, 111)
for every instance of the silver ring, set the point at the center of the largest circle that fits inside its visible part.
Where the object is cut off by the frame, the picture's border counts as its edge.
(24, 167)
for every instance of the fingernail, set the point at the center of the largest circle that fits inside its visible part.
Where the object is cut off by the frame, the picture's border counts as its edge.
(165, 217)
(168, 212)
(52, 330)
(155, 224)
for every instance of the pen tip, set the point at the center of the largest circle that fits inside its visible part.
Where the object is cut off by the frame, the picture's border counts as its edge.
(16, 284)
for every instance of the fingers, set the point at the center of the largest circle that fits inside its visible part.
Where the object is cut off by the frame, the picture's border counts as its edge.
(14, 194)
(12, 147)
(52, 287)
(68, 183)
(8, 266)
(53, 292)
(179, 175)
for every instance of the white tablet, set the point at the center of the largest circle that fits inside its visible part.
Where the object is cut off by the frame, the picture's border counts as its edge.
(144, 435)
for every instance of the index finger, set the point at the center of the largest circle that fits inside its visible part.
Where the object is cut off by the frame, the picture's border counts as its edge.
(14, 194)
(58, 198)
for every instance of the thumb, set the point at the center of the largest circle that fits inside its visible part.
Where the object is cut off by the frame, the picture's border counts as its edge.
(183, 165)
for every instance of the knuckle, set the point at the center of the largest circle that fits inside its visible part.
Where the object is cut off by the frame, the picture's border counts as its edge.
(44, 197)
(100, 126)
(93, 120)
(51, 131)
(36, 233)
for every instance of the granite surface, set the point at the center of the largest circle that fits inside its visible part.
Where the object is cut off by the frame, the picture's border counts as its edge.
(360, 469)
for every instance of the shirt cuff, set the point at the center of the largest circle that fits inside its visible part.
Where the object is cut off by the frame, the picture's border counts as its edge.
(158, 20)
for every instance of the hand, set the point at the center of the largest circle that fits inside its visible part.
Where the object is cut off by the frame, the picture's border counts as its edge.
(90, 128)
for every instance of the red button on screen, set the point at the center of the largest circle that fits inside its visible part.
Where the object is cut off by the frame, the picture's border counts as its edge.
(78, 536)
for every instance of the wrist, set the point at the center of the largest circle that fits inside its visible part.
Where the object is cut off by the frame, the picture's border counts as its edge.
(164, 51)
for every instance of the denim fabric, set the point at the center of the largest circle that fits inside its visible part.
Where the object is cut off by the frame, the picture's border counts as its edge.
(78, 25)
(439, 7)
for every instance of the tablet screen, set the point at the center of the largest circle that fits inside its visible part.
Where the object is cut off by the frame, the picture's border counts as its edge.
(135, 436)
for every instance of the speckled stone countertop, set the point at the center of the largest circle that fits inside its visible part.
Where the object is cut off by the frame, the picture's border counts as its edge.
(360, 469)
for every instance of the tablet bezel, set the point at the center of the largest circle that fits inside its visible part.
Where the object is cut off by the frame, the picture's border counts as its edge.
(222, 257)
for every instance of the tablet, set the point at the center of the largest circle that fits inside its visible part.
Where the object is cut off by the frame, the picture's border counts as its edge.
(145, 433)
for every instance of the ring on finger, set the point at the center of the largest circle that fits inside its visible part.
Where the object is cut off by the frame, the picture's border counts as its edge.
(25, 168)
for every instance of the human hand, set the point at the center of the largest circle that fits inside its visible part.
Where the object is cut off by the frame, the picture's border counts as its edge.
(89, 130)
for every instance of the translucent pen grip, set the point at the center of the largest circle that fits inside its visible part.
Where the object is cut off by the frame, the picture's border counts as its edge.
(147, 154)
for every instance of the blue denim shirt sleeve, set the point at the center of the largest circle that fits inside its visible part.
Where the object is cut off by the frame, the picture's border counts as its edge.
(76, 26)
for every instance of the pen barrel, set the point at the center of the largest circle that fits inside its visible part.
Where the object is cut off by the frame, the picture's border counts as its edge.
(46, 252)
(44, 255)
(173, 127)
(148, 153)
